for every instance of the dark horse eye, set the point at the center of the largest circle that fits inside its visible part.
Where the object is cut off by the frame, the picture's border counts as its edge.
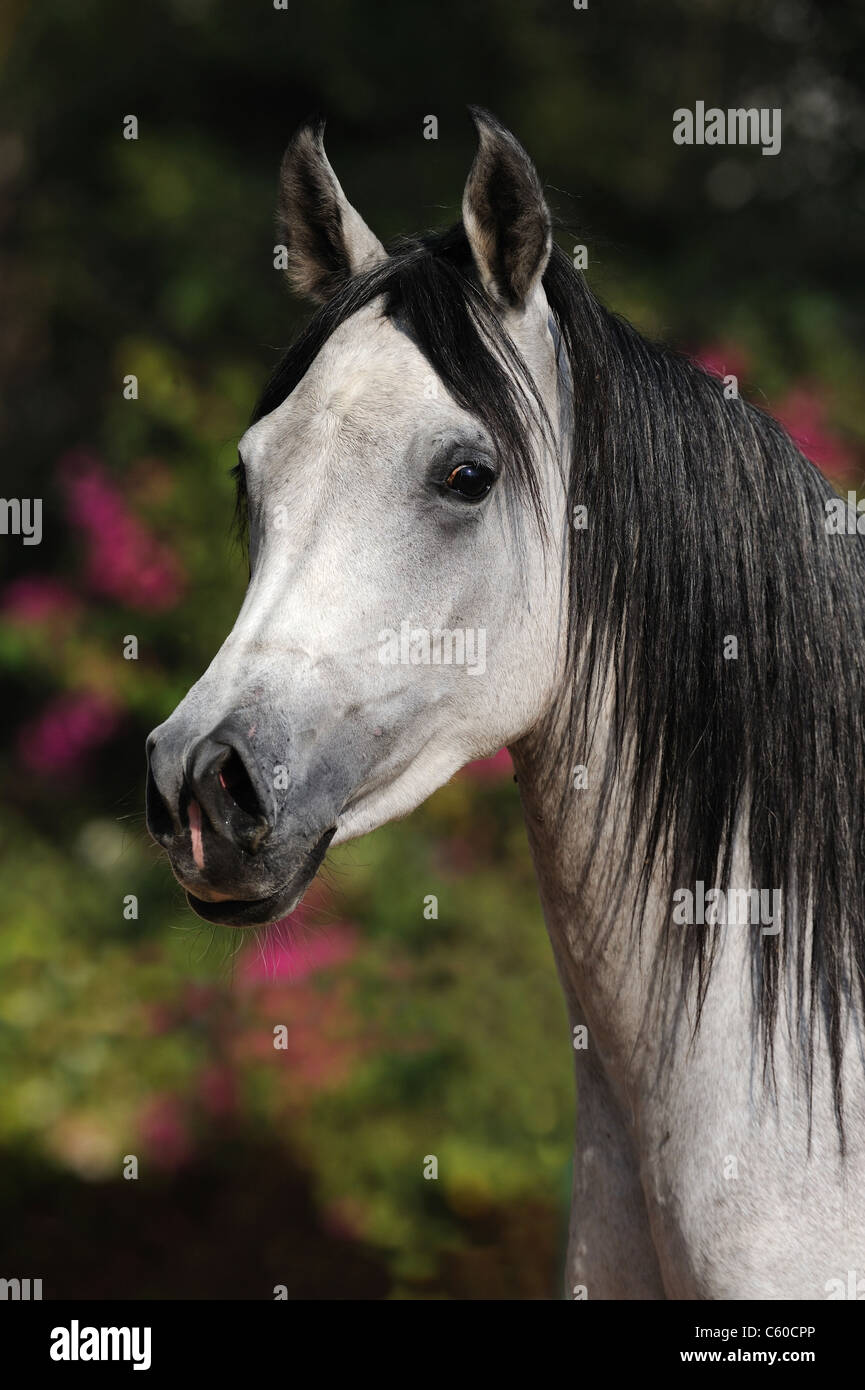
(471, 480)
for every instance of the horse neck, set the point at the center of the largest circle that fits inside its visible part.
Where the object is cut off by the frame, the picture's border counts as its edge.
(610, 970)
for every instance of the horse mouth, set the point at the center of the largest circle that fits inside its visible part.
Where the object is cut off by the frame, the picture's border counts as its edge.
(246, 912)
(258, 912)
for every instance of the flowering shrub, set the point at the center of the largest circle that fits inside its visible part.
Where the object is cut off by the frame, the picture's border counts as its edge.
(123, 561)
(803, 412)
(69, 728)
(419, 1001)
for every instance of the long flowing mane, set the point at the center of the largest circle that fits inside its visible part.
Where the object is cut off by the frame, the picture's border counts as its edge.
(704, 521)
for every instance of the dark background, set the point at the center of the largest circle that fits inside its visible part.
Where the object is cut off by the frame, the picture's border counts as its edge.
(152, 1036)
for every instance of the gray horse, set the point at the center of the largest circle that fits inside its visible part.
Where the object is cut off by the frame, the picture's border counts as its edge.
(484, 511)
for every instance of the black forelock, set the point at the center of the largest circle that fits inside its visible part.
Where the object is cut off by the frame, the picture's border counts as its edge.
(429, 289)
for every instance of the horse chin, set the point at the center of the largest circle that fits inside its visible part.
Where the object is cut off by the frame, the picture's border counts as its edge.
(247, 912)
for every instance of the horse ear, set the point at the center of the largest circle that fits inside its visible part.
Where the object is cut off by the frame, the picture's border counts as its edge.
(505, 214)
(326, 240)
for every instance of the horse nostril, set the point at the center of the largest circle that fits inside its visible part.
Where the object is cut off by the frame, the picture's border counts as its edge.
(223, 776)
(236, 783)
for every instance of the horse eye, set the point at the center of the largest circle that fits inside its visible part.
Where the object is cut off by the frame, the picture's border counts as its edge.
(471, 480)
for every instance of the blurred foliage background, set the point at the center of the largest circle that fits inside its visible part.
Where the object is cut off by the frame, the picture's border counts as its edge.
(404, 1037)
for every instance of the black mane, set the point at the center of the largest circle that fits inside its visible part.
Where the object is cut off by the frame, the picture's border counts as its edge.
(704, 520)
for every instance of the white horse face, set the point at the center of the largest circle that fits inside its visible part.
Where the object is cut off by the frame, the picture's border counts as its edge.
(390, 632)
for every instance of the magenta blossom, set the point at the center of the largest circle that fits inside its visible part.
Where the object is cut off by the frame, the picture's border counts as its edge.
(803, 414)
(38, 599)
(722, 359)
(58, 740)
(288, 953)
(125, 561)
(492, 769)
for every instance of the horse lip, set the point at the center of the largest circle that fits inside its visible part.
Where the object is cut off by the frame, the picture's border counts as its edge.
(251, 912)
(244, 912)
(205, 893)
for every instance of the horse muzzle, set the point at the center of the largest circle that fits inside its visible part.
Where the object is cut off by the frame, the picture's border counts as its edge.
(243, 854)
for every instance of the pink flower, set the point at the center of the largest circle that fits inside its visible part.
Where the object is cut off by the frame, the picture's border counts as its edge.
(285, 953)
(39, 599)
(124, 561)
(803, 414)
(722, 359)
(58, 740)
(494, 769)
